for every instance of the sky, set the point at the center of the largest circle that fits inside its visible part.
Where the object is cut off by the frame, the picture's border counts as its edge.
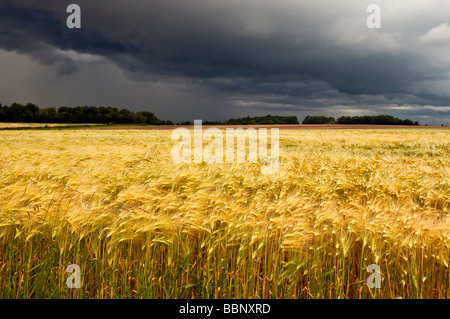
(218, 59)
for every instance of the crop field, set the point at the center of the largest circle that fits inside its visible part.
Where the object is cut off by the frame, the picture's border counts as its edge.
(140, 226)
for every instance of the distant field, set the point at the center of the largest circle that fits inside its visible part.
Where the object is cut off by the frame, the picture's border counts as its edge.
(282, 127)
(140, 226)
(33, 125)
(171, 127)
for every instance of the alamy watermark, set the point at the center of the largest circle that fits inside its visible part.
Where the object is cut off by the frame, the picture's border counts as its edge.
(373, 21)
(74, 19)
(214, 151)
(374, 280)
(74, 279)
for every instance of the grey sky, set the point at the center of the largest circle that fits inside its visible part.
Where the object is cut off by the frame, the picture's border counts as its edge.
(216, 59)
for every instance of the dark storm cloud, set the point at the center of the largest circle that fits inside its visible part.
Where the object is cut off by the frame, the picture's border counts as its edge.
(257, 55)
(40, 33)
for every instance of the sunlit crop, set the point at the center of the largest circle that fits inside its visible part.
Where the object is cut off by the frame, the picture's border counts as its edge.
(140, 226)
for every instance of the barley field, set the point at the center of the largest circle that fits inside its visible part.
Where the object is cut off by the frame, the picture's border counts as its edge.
(140, 226)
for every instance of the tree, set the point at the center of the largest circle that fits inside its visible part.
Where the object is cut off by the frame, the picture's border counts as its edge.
(377, 120)
(408, 122)
(139, 118)
(48, 115)
(79, 114)
(318, 120)
(266, 120)
(125, 116)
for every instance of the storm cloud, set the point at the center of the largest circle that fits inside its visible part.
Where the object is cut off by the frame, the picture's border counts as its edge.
(216, 59)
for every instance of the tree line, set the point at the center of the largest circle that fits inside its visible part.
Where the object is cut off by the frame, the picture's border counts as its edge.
(31, 113)
(367, 119)
(259, 120)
